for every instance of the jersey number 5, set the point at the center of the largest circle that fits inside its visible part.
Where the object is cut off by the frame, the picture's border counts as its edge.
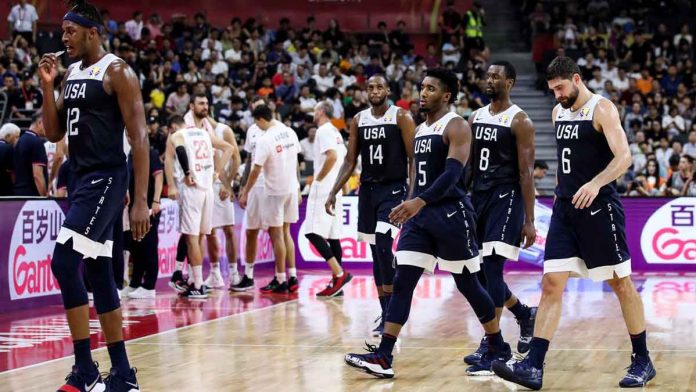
(73, 118)
(422, 180)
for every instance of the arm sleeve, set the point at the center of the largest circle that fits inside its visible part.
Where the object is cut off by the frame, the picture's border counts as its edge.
(182, 157)
(442, 185)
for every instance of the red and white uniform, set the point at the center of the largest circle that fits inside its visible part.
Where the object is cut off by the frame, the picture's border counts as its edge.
(196, 202)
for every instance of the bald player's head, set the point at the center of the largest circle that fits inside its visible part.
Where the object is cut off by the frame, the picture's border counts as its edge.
(377, 90)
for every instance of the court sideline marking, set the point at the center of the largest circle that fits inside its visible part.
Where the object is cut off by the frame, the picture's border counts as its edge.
(128, 342)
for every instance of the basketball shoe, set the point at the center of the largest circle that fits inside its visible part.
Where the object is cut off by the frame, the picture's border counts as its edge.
(483, 366)
(116, 383)
(476, 355)
(194, 293)
(374, 362)
(215, 280)
(521, 373)
(639, 373)
(336, 285)
(293, 284)
(177, 282)
(76, 382)
(272, 285)
(244, 285)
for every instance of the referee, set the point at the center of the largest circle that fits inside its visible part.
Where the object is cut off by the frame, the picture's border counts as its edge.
(145, 252)
(30, 161)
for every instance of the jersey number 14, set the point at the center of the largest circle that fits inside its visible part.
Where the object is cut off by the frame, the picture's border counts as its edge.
(375, 154)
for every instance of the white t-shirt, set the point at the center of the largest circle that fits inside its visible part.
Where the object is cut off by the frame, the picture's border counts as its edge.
(307, 149)
(252, 137)
(277, 152)
(324, 82)
(328, 138)
(22, 18)
(307, 103)
(233, 56)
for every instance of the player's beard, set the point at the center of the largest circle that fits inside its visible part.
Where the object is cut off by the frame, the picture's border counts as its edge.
(379, 102)
(492, 95)
(201, 115)
(570, 101)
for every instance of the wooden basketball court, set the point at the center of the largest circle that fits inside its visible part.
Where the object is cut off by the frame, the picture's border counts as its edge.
(297, 343)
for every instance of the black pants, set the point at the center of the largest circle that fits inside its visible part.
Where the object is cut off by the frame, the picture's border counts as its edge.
(145, 257)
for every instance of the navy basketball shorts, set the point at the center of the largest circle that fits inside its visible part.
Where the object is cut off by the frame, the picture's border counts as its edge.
(96, 201)
(588, 243)
(440, 235)
(499, 220)
(375, 202)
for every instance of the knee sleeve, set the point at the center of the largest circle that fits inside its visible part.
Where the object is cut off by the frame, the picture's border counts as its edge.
(376, 269)
(101, 275)
(181, 249)
(320, 245)
(477, 297)
(495, 285)
(336, 250)
(65, 267)
(385, 257)
(405, 281)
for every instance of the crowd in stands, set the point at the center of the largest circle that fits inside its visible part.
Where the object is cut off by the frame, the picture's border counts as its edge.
(294, 67)
(635, 54)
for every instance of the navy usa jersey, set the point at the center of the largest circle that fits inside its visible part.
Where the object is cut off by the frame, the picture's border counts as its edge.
(430, 156)
(94, 122)
(582, 151)
(495, 148)
(382, 151)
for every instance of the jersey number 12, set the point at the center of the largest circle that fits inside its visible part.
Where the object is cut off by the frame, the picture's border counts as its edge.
(73, 118)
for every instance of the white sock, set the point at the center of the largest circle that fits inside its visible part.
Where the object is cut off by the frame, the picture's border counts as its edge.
(215, 268)
(184, 271)
(339, 274)
(281, 277)
(249, 270)
(233, 269)
(197, 272)
(292, 272)
(179, 265)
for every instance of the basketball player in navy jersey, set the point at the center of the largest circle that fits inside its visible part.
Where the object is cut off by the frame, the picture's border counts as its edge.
(438, 228)
(586, 235)
(503, 193)
(383, 136)
(100, 96)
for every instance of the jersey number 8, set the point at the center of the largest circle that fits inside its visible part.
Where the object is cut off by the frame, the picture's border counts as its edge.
(483, 162)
